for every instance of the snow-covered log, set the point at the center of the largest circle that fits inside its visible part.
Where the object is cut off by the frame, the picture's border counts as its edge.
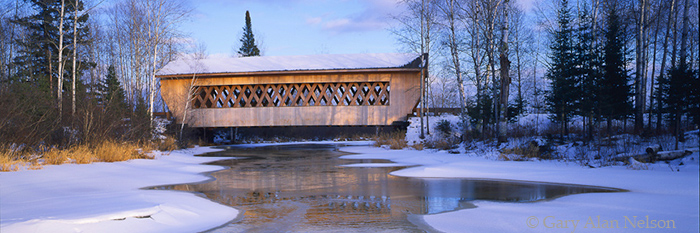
(654, 156)
(671, 155)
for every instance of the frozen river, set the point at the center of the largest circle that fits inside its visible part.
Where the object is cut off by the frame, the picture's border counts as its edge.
(308, 188)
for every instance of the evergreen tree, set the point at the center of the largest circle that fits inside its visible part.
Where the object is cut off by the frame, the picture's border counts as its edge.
(561, 97)
(110, 93)
(248, 46)
(615, 89)
(587, 70)
(38, 52)
(677, 95)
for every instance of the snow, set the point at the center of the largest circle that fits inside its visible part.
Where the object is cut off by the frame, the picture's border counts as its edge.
(221, 64)
(413, 130)
(110, 197)
(657, 192)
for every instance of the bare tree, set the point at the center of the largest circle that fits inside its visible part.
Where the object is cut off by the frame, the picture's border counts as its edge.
(162, 18)
(144, 39)
(491, 15)
(505, 76)
(60, 47)
(640, 84)
(449, 10)
(473, 21)
(194, 61)
(663, 59)
(416, 36)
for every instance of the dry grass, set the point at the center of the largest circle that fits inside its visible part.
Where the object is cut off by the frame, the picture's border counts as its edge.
(167, 144)
(55, 156)
(396, 140)
(442, 143)
(10, 160)
(418, 146)
(107, 151)
(82, 155)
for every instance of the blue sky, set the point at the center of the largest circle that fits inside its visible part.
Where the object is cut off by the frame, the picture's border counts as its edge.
(296, 27)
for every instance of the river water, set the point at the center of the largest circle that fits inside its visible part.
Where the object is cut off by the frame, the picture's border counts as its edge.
(305, 188)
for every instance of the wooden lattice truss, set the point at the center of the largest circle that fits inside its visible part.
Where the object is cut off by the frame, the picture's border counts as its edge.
(298, 94)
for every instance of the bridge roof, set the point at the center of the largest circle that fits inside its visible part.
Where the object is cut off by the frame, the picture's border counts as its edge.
(228, 65)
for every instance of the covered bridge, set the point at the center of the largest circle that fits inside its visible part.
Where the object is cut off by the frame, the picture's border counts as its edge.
(313, 90)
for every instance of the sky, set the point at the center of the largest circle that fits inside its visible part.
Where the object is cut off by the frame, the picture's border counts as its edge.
(297, 27)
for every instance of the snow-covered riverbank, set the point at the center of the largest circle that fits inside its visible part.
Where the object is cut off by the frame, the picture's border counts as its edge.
(109, 197)
(660, 197)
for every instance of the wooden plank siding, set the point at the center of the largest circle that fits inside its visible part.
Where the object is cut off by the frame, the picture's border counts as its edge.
(404, 93)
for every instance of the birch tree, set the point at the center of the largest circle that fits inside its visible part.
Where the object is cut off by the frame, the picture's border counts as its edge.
(449, 11)
(415, 33)
(640, 83)
(60, 46)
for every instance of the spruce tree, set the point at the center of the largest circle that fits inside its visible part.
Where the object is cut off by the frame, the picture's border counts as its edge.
(111, 94)
(587, 70)
(248, 46)
(38, 52)
(679, 89)
(615, 89)
(561, 97)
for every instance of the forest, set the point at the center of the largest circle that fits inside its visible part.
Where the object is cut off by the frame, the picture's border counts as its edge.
(83, 72)
(601, 63)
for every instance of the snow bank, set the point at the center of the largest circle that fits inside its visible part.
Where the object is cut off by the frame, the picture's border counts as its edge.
(109, 197)
(661, 195)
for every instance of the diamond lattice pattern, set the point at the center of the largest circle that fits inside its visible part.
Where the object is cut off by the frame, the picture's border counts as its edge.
(292, 95)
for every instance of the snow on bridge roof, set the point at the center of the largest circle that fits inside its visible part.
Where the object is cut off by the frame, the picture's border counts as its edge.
(220, 64)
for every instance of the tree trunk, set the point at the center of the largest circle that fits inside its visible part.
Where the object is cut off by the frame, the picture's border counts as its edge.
(75, 49)
(59, 86)
(454, 51)
(653, 68)
(640, 77)
(662, 70)
(684, 37)
(505, 78)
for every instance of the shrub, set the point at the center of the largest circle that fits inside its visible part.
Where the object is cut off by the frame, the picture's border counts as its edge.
(531, 149)
(167, 144)
(395, 140)
(442, 143)
(444, 127)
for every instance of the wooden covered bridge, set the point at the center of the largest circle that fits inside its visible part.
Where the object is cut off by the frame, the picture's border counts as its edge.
(314, 90)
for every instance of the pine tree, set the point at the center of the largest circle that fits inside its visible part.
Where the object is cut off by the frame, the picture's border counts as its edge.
(615, 89)
(248, 46)
(561, 97)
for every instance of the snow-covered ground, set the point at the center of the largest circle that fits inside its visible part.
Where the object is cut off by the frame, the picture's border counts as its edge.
(658, 197)
(109, 197)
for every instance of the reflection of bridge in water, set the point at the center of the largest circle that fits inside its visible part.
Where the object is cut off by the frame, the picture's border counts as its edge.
(315, 90)
(309, 190)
